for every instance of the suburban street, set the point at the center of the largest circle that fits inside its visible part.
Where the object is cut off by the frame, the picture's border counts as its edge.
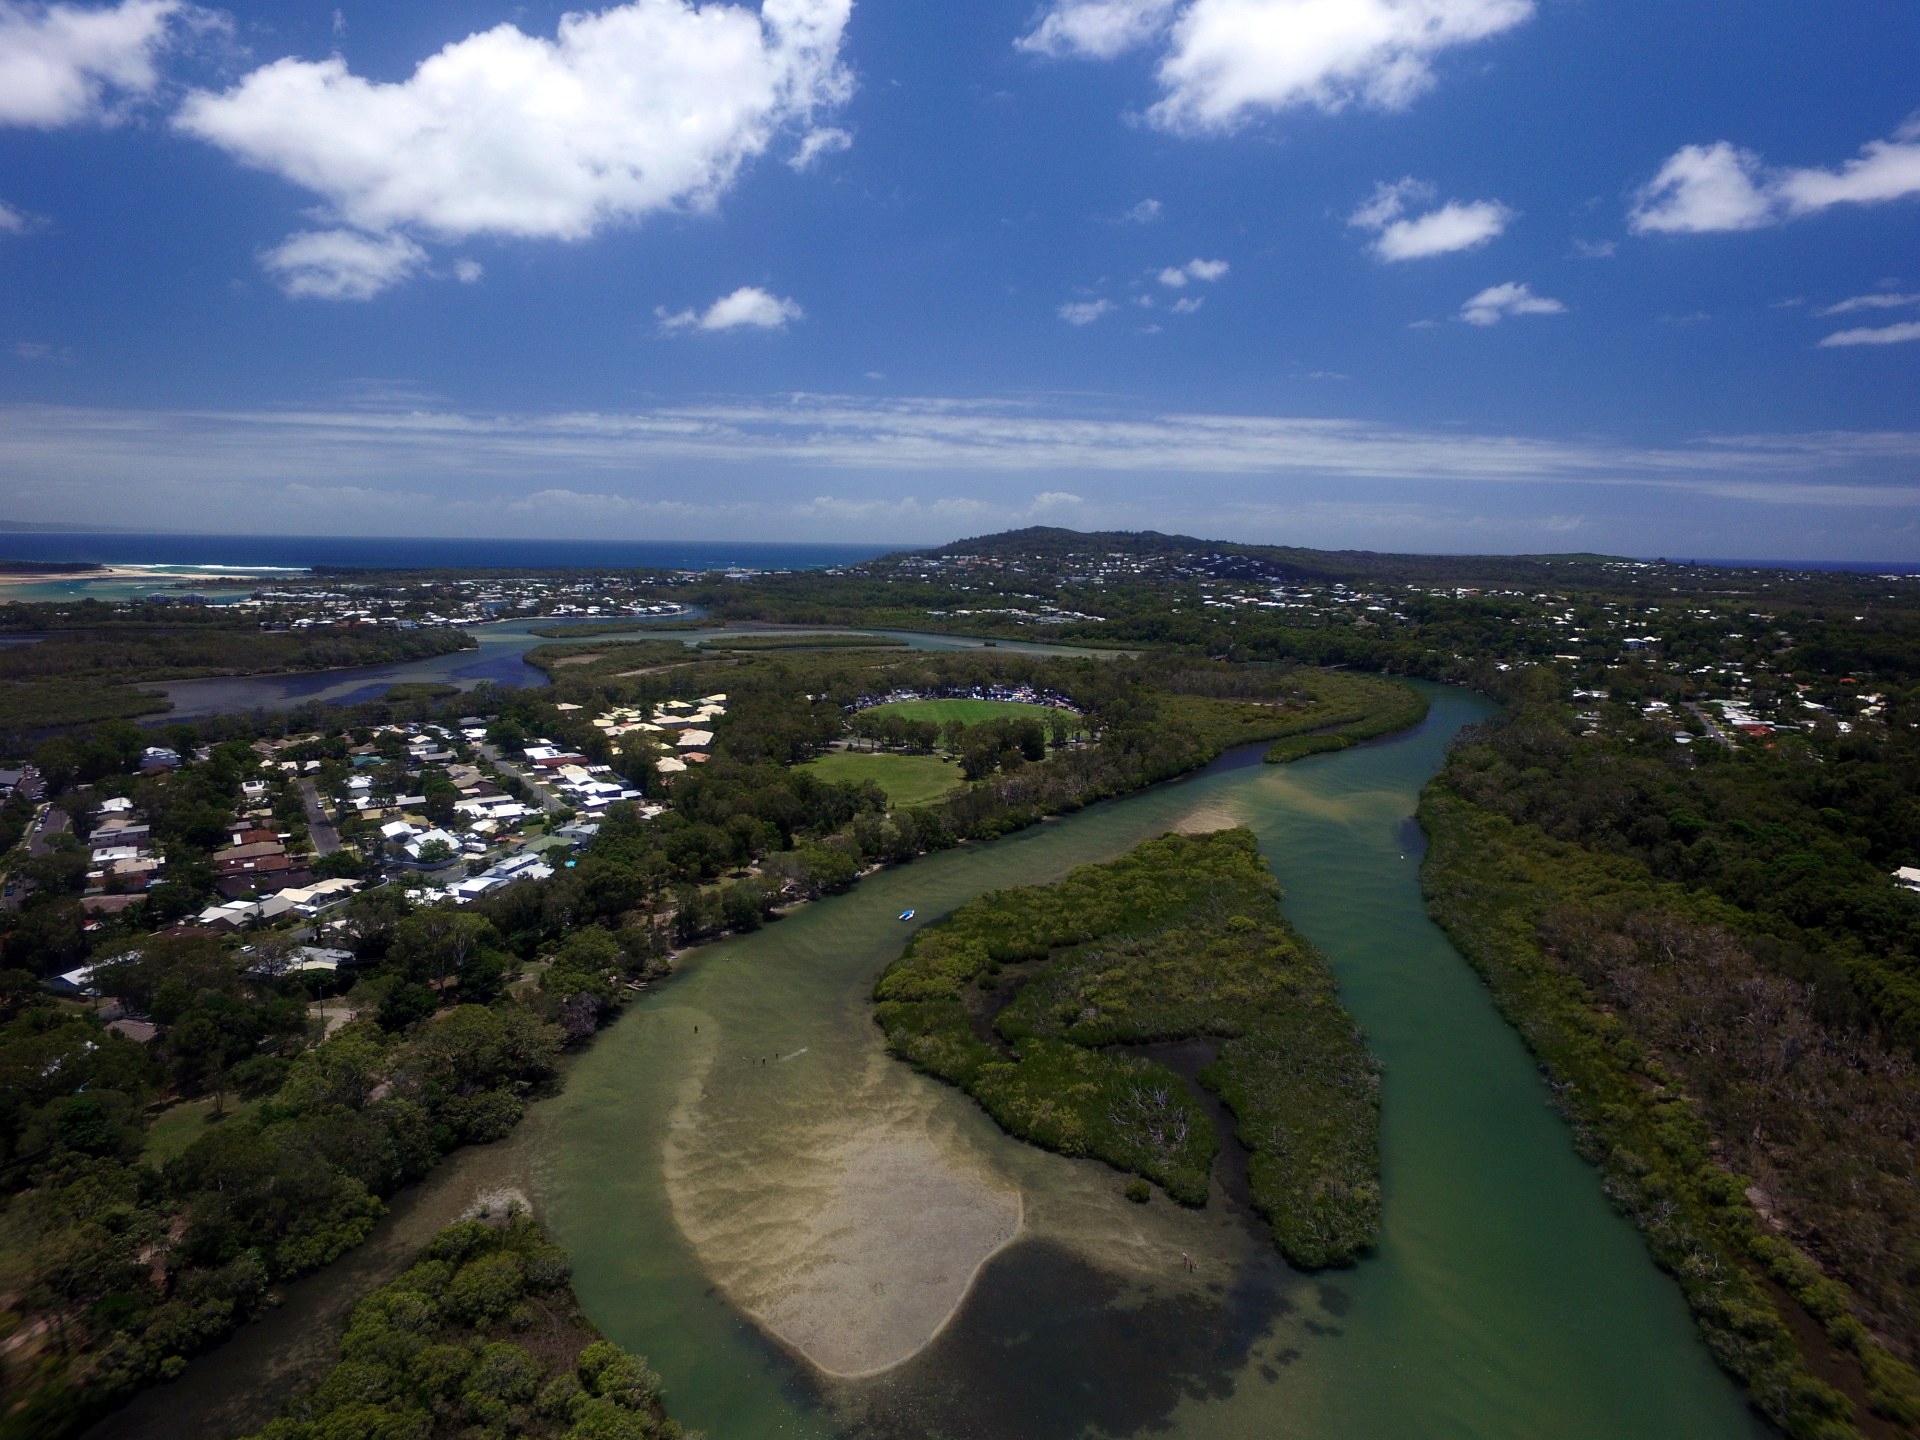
(326, 839)
(53, 822)
(534, 787)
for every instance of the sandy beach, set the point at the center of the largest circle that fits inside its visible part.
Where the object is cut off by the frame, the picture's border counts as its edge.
(158, 575)
(1205, 819)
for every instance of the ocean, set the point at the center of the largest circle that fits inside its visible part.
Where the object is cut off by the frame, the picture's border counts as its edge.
(237, 553)
(184, 554)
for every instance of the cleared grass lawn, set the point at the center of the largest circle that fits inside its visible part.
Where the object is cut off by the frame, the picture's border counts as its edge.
(178, 1126)
(907, 779)
(967, 712)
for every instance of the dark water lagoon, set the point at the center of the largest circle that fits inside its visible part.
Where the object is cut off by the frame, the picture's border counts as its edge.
(500, 659)
(771, 1186)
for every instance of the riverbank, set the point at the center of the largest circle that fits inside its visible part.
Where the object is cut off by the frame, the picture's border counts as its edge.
(1772, 1319)
(483, 1330)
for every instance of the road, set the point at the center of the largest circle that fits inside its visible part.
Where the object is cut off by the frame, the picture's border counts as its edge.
(1714, 732)
(540, 792)
(50, 821)
(53, 822)
(326, 839)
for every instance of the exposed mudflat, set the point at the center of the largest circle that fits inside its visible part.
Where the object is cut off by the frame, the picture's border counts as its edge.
(852, 1239)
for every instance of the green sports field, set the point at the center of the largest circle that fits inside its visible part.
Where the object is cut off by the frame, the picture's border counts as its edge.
(907, 779)
(967, 712)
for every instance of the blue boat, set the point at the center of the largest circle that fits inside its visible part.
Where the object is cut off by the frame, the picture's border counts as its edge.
(906, 914)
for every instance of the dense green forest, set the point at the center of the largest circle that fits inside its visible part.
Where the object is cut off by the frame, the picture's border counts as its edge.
(482, 1336)
(1037, 1002)
(1676, 942)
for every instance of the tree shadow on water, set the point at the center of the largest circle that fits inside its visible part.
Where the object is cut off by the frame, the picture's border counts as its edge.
(1049, 1347)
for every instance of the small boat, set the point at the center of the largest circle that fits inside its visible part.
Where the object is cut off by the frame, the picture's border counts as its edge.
(906, 914)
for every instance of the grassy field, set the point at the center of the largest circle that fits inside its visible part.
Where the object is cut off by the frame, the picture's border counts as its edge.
(967, 712)
(178, 1126)
(907, 779)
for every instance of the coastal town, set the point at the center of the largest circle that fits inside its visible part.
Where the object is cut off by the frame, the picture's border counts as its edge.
(440, 887)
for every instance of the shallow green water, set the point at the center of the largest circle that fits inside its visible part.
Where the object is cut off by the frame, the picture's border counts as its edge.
(684, 1169)
(693, 1182)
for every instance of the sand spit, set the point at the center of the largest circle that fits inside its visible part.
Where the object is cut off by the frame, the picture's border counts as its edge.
(894, 1252)
(1205, 819)
(853, 1227)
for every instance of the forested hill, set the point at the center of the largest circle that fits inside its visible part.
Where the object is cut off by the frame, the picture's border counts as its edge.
(1042, 551)
(1051, 543)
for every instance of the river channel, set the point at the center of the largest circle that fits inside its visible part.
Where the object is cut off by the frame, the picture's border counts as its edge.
(745, 1180)
(500, 659)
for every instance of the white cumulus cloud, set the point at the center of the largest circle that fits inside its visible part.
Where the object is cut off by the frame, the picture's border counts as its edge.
(1703, 188)
(643, 107)
(1497, 302)
(1455, 226)
(341, 264)
(1096, 29)
(749, 307)
(14, 222)
(1225, 61)
(1145, 213)
(62, 64)
(1084, 312)
(1876, 335)
(1175, 277)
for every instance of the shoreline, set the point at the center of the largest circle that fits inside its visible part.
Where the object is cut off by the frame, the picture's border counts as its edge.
(159, 574)
(959, 1304)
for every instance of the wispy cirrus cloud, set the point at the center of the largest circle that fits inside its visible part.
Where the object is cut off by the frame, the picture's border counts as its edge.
(1900, 334)
(341, 264)
(1879, 300)
(951, 436)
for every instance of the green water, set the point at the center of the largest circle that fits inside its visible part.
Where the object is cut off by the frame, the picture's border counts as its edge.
(694, 1184)
(1506, 1300)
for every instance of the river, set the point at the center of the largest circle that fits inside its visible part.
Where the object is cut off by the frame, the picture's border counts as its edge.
(731, 1194)
(500, 659)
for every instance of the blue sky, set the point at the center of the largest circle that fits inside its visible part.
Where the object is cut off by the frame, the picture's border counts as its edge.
(1494, 275)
